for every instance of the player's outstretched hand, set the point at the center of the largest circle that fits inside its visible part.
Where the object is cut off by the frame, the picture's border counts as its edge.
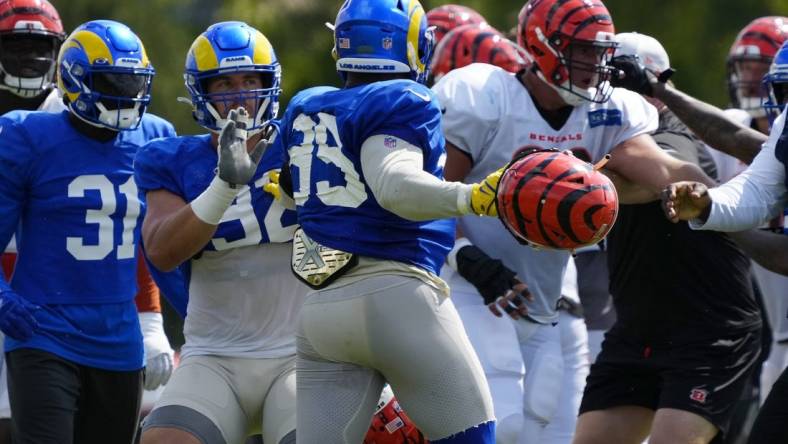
(236, 165)
(511, 302)
(686, 201)
(633, 76)
(483, 194)
(16, 316)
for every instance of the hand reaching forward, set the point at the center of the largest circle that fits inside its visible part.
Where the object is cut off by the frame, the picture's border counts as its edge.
(686, 201)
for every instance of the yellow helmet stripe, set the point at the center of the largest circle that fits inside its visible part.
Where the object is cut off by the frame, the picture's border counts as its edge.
(204, 55)
(416, 13)
(93, 45)
(263, 51)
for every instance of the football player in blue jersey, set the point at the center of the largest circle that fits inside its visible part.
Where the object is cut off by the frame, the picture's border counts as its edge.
(207, 213)
(73, 340)
(366, 169)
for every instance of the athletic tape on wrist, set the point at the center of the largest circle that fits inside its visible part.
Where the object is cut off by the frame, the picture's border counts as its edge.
(464, 199)
(451, 259)
(210, 206)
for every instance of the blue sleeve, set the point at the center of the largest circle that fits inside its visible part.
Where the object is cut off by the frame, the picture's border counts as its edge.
(407, 110)
(16, 159)
(155, 167)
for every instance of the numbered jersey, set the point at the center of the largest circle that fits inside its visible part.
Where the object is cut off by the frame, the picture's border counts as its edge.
(78, 210)
(243, 298)
(324, 129)
(490, 116)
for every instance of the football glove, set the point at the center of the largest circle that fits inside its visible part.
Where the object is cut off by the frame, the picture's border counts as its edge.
(635, 77)
(158, 353)
(278, 190)
(16, 316)
(236, 165)
(483, 194)
(490, 276)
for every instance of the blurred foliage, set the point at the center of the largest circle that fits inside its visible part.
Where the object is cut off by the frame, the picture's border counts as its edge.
(696, 34)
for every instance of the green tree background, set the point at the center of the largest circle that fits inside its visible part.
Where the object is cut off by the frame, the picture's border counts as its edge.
(696, 34)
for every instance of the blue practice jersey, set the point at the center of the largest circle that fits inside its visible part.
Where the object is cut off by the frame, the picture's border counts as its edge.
(185, 166)
(323, 130)
(78, 210)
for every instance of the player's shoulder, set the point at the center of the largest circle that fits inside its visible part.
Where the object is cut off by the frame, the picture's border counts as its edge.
(623, 106)
(174, 147)
(308, 95)
(478, 77)
(39, 128)
(157, 126)
(391, 97)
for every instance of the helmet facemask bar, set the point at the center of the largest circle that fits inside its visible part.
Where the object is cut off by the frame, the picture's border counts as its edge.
(28, 62)
(264, 101)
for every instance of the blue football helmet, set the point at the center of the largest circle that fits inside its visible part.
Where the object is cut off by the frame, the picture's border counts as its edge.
(229, 48)
(776, 82)
(105, 75)
(383, 36)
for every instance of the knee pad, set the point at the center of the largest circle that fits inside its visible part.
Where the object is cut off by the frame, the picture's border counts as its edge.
(480, 434)
(543, 384)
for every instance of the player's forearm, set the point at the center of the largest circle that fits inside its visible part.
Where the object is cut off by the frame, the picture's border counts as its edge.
(174, 231)
(400, 185)
(768, 249)
(176, 239)
(711, 125)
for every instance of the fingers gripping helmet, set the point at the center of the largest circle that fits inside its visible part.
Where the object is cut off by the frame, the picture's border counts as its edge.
(447, 17)
(554, 200)
(105, 75)
(382, 37)
(474, 44)
(229, 48)
(558, 35)
(30, 36)
(749, 59)
(777, 83)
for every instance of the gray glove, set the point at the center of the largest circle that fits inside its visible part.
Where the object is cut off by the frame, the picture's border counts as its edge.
(236, 165)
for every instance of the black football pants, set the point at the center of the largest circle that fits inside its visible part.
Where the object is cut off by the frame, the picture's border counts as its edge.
(56, 401)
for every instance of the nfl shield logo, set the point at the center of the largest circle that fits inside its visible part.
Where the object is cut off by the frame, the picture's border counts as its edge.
(344, 43)
(387, 43)
(390, 142)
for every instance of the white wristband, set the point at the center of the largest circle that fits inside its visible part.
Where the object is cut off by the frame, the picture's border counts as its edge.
(210, 206)
(451, 259)
(464, 200)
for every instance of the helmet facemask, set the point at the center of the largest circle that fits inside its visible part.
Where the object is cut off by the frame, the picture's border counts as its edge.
(113, 97)
(745, 83)
(584, 70)
(261, 100)
(27, 63)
